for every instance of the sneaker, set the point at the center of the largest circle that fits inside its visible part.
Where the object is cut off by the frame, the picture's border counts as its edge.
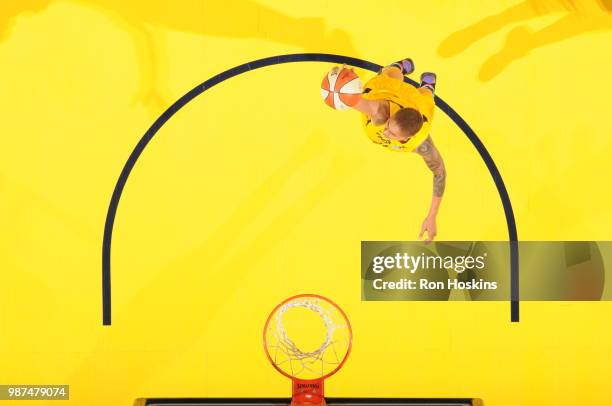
(428, 80)
(405, 65)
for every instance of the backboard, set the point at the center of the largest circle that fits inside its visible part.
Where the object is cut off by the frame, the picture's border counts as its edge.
(287, 401)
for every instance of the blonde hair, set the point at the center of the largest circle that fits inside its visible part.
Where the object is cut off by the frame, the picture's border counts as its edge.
(410, 121)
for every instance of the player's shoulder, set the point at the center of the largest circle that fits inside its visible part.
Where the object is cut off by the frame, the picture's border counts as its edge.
(383, 81)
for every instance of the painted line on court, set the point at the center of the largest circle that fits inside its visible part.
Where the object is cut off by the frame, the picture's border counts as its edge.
(277, 60)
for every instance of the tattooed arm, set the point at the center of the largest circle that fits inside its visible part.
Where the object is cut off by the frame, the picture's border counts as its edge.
(434, 162)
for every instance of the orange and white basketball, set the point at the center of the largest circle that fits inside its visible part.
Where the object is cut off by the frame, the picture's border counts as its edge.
(341, 88)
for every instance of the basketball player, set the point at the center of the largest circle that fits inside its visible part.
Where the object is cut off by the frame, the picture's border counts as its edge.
(397, 116)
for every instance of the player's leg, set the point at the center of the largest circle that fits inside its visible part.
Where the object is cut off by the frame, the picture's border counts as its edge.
(405, 67)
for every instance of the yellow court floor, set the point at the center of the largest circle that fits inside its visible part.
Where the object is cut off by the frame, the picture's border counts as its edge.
(256, 191)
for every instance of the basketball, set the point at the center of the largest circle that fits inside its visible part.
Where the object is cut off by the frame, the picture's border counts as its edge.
(341, 88)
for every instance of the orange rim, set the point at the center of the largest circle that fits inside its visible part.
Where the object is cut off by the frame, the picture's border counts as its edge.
(348, 323)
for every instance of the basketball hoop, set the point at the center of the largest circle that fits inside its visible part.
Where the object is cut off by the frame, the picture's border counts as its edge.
(319, 347)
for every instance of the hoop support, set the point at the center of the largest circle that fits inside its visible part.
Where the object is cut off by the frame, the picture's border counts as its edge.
(308, 392)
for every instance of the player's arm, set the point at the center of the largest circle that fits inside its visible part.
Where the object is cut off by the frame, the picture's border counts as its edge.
(434, 162)
(398, 69)
(364, 106)
(369, 107)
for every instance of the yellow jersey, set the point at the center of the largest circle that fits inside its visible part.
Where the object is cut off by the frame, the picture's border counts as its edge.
(400, 95)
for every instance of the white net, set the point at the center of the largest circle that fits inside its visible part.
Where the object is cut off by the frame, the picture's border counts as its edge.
(312, 363)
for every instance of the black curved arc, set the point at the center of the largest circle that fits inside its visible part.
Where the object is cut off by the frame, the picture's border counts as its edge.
(276, 60)
(506, 203)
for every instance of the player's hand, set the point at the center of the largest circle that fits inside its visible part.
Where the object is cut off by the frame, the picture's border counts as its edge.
(429, 227)
(338, 70)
